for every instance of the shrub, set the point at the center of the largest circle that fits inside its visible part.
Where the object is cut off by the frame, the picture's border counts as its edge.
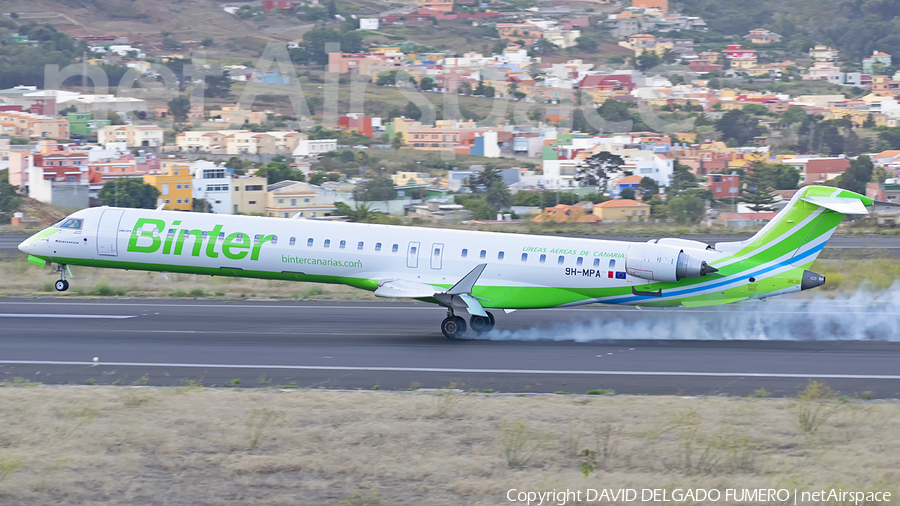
(520, 444)
(601, 391)
(197, 292)
(815, 405)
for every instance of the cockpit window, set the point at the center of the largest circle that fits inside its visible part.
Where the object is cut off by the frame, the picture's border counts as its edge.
(72, 223)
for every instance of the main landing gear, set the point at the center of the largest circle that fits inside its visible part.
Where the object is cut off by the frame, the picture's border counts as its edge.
(454, 327)
(62, 285)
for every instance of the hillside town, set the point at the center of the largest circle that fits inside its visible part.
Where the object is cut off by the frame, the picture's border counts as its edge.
(658, 126)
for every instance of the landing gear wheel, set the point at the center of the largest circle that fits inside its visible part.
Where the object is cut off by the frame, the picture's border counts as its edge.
(62, 285)
(453, 327)
(482, 324)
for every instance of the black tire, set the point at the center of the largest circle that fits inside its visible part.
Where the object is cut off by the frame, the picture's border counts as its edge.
(453, 327)
(482, 324)
(62, 285)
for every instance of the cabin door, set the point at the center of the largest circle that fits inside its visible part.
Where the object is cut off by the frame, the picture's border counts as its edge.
(108, 232)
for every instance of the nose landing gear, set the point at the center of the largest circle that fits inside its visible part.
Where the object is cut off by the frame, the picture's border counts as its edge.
(62, 285)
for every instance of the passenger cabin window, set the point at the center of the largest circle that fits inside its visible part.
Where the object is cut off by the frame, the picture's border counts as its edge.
(394, 248)
(377, 246)
(274, 239)
(360, 245)
(524, 257)
(543, 258)
(71, 223)
(500, 256)
(579, 261)
(293, 241)
(222, 238)
(464, 253)
(482, 254)
(596, 262)
(561, 260)
(309, 242)
(612, 264)
(327, 243)
(343, 244)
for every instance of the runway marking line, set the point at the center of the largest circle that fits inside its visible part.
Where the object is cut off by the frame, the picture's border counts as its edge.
(83, 316)
(462, 371)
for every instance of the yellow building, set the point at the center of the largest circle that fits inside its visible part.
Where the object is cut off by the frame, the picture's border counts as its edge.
(857, 116)
(621, 209)
(173, 180)
(249, 195)
(408, 178)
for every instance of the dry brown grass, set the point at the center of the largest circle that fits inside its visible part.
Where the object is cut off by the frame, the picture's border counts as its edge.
(105, 445)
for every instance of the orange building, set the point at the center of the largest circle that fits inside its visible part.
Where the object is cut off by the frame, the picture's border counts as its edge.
(173, 181)
(436, 5)
(662, 5)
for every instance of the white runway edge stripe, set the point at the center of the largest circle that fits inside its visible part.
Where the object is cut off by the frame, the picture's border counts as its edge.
(83, 316)
(462, 371)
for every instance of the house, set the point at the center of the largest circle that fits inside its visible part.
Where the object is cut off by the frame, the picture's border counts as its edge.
(744, 220)
(662, 5)
(725, 186)
(735, 51)
(133, 136)
(173, 180)
(878, 58)
(270, 5)
(412, 178)
(702, 66)
(514, 32)
(823, 53)
(814, 170)
(630, 182)
(561, 213)
(249, 195)
(762, 36)
(436, 5)
(314, 147)
(886, 158)
(621, 210)
(289, 198)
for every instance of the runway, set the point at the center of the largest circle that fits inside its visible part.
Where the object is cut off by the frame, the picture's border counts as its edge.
(397, 346)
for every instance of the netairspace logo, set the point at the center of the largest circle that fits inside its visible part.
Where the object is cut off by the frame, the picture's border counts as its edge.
(863, 316)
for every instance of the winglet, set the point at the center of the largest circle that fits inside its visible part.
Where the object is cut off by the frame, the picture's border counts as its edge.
(467, 283)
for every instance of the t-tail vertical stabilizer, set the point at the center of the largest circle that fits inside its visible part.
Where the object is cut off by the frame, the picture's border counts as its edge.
(800, 230)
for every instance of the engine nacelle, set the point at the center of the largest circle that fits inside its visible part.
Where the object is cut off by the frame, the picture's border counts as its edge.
(660, 262)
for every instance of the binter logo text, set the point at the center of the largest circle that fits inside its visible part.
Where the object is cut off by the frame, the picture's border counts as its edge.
(150, 235)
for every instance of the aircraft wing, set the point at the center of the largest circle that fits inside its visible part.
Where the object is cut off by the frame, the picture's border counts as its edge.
(406, 289)
(459, 296)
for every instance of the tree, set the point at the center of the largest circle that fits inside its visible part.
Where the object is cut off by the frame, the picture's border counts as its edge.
(236, 164)
(207, 41)
(377, 188)
(465, 88)
(647, 60)
(595, 170)
(649, 188)
(412, 111)
(275, 172)
(200, 206)
(397, 141)
(793, 115)
(613, 110)
(587, 42)
(498, 196)
(386, 78)
(857, 175)
(318, 177)
(9, 199)
(757, 192)
(682, 179)
(426, 84)
(179, 107)
(489, 91)
(218, 84)
(738, 127)
(627, 193)
(128, 192)
(685, 209)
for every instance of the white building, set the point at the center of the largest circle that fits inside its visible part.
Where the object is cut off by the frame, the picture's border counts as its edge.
(213, 184)
(315, 147)
(368, 23)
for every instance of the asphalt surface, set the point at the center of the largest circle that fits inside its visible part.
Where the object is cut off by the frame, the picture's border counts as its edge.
(395, 346)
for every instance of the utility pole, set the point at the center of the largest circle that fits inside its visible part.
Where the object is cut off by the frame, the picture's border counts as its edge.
(84, 70)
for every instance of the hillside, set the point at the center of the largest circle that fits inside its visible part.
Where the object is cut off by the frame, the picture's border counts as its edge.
(855, 27)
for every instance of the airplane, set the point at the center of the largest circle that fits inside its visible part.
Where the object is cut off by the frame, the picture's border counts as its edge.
(463, 271)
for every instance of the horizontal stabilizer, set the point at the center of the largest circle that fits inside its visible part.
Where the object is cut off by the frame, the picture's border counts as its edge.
(404, 289)
(843, 205)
